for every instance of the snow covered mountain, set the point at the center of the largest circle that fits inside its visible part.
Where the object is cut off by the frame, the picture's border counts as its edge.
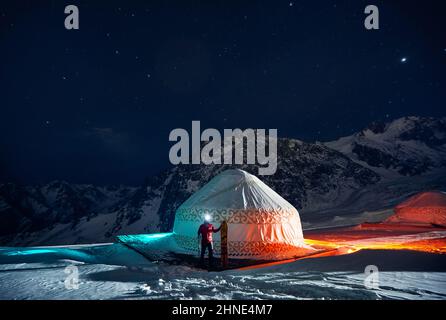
(30, 209)
(340, 182)
(408, 146)
(307, 175)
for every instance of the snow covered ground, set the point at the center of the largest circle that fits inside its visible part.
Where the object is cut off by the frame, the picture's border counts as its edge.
(112, 271)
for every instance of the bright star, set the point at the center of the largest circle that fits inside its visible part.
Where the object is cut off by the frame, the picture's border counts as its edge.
(403, 60)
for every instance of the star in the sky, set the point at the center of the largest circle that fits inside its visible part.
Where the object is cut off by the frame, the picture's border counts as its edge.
(403, 60)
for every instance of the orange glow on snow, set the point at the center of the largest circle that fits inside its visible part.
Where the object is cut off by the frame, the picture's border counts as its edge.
(380, 237)
(432, 246)
(347, 240)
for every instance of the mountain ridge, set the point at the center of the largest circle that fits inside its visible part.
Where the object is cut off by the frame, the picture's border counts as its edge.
(324, 181)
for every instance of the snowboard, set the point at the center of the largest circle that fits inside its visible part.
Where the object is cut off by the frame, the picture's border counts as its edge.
(224, 244)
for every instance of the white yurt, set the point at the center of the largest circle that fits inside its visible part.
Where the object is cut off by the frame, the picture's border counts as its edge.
(261, 224)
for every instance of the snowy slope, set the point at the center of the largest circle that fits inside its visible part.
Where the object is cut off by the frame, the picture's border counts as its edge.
(407, 146)
(38, 209)
(114, 272)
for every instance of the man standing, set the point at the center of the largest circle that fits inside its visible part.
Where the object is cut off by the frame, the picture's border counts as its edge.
(205, 231)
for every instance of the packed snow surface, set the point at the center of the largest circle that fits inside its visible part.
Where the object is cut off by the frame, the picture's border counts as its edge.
(112, 271)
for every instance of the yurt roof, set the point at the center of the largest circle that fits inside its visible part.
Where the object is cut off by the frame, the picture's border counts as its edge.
(236, 189)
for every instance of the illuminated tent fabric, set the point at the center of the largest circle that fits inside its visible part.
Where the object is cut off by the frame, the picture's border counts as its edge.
(261, 224)
(426, 208)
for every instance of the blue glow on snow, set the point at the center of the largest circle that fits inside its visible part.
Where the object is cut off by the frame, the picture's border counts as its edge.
(145, 239)
(25, 252)
(44, 254)
(156, 235)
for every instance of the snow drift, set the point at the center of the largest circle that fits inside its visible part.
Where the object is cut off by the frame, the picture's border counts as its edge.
(426, 208)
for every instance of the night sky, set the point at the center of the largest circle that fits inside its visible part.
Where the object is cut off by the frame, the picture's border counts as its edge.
(96, 105)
